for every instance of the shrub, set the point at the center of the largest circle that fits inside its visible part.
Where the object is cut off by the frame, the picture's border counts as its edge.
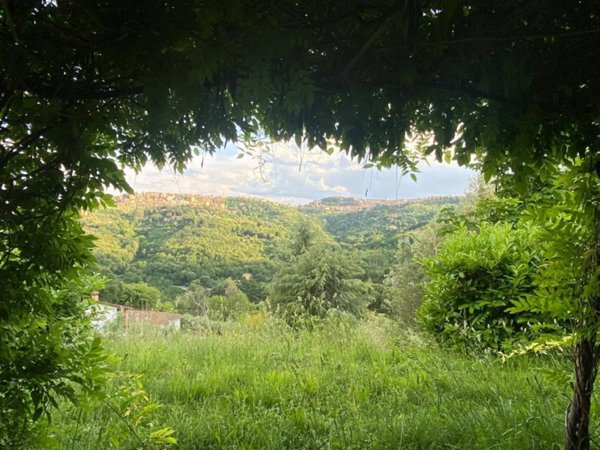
(194, 301)
(47, 358)
(136, 295)
(475, 277)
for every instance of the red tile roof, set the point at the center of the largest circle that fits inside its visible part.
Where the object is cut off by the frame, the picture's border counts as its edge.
(153, 317)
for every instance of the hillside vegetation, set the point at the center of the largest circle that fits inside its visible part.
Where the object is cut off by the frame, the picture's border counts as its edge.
(172, 242)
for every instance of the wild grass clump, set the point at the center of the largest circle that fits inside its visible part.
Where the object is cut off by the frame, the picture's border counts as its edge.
(343, 385)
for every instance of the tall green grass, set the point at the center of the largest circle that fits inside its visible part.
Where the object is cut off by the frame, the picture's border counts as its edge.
(339, 386)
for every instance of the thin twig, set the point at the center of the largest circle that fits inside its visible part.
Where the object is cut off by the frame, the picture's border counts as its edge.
(120, 416)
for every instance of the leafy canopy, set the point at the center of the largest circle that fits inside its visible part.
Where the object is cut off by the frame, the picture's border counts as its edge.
(99, 80)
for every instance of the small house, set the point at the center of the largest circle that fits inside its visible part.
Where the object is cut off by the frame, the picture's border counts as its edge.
(108, 313)
(156, 318)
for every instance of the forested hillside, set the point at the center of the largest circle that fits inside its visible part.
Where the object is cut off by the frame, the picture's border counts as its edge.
(171, 242)
(372, 227)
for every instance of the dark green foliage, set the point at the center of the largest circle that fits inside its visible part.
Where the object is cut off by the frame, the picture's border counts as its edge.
(47, 350)
(320, 279)
(137, 295)
(175, 79)
(111, 292)
(316, 276)
(565, 209)
(474, 280)
(46, 358)
(304, 235)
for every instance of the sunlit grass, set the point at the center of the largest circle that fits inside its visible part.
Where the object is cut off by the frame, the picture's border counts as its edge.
(341, 386)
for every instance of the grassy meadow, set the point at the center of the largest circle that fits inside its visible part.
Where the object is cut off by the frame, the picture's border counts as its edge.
(258, 384)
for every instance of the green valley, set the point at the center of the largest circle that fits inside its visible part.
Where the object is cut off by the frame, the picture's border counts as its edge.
(172, 242)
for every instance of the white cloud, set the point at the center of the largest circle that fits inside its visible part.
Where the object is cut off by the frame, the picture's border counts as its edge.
(293, 175)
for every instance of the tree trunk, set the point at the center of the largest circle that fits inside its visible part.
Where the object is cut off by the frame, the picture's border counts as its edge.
(578, 412)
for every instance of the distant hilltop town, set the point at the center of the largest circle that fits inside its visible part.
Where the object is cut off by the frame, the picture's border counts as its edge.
(349, 204)
(149, 199)
(330, 204)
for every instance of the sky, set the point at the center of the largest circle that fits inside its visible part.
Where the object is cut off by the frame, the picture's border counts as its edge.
(293, 175)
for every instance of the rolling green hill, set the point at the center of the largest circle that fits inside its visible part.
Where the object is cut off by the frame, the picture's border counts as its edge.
(372, 227)
(171, 241)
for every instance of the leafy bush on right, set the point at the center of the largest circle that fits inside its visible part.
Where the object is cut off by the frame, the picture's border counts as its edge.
(474, 279)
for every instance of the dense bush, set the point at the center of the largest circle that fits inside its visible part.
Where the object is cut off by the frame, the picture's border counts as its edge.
(230, 304)
(193, 301)
(475, 277)
(229, 307)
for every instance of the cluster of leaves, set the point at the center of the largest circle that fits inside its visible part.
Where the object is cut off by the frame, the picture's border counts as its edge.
(125, 416)
(474, 280)
(46, 358)
(401, 293)
(136, 295)
(517, 268)
(567, 211)
(231, 304)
